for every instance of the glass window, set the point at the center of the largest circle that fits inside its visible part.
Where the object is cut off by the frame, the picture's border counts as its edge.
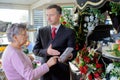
(13, 15)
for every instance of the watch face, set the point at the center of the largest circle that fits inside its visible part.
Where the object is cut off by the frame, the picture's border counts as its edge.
(87, 3)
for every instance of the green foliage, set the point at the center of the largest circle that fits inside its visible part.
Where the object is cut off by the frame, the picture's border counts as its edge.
(26, 51)
(34, 65)
(97, 12)
(67, 18)
(115, 8)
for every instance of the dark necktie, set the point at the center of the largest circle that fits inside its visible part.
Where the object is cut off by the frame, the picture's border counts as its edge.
(53, 32)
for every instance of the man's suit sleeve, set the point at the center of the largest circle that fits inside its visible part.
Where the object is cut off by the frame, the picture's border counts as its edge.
(38, 48)
(71, 43)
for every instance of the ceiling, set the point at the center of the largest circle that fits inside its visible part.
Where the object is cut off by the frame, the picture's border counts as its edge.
(20, 2)
(32, 4)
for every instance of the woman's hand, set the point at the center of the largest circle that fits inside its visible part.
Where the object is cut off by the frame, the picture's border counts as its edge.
(52, 61)
(31, 57)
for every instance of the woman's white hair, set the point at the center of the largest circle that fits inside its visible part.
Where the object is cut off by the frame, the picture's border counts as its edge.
(15, 29)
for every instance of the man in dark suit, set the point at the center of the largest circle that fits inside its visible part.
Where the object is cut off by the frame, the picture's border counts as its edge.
(47, 46)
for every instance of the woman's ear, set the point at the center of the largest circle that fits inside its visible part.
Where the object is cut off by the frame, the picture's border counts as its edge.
(15, 38)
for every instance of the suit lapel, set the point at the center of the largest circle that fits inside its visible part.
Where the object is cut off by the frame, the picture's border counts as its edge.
(49, 32)
(59, 32)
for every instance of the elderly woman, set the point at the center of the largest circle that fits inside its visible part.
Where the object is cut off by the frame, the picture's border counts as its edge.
(16, 65)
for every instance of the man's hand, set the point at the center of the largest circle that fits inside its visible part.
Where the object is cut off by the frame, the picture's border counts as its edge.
(67, 58)
(70, 57)
(52, 52)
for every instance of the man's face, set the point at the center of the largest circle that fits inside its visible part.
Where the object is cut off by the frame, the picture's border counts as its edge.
(53, 16)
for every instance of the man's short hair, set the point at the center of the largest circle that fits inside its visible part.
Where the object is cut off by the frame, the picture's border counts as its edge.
(57, 7)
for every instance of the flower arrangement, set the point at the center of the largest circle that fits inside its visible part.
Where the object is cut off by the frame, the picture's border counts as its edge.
(88, 62)
(82, 22)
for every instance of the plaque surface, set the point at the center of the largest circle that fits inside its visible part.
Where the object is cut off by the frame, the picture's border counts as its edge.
(82, 4)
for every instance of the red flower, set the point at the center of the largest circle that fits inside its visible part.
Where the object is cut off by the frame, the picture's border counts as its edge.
(91, 65)
(83, 69)
(64, 22)
(96, 75)
(86, 59)
(96, 60)
(90, 77)
(77, 59)
(99, 65)
(77, 47)
(84, 50)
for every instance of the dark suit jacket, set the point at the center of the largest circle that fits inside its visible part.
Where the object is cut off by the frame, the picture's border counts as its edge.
(64, 38)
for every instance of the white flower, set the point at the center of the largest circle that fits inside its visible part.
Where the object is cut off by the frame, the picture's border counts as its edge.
(86, 18)
(75, 17)
(91, 18)
(90, 27)
(75, 24)
(114, 78)
(85, 25)
(109, 68)
(96, 20)
(92, 51)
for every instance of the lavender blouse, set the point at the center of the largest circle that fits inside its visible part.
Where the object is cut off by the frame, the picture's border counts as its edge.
(17, 66)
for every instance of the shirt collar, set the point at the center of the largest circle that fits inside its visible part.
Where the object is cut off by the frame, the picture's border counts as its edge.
(57, 27)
